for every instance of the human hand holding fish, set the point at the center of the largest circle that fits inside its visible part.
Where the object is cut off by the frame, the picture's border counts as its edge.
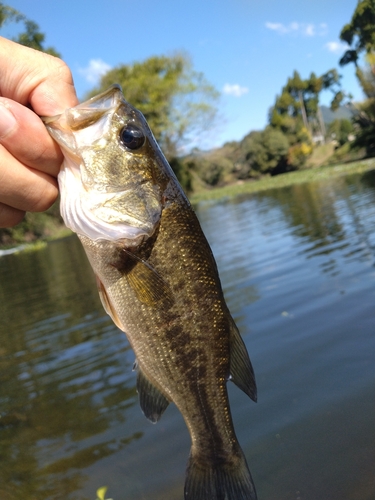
(31, 83)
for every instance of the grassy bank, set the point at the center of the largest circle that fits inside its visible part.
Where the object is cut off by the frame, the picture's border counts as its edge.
(284, 180)
(39, 228)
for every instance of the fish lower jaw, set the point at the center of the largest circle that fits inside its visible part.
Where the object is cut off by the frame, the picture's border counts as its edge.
(96, 229)
(78, 212)
(85, 223)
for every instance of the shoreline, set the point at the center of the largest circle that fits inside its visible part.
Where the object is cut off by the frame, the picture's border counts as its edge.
(284, 180)
(232, 191)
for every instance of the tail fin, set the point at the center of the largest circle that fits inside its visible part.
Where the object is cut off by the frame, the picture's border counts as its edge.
(219, 480)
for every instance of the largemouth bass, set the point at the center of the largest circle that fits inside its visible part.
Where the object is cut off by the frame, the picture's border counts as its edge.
(158, 280)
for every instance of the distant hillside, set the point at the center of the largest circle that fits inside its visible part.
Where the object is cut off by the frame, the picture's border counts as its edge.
(259, 152)
(329, 115)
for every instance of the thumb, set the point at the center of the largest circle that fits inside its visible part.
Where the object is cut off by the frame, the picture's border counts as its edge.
(34, 78)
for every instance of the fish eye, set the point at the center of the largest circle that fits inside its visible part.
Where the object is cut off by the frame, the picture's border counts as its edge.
(132, 136)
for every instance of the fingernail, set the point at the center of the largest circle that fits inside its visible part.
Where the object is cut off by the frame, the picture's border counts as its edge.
(7, 120)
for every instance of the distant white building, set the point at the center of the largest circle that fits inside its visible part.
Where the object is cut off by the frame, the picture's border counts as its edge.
(318, 139)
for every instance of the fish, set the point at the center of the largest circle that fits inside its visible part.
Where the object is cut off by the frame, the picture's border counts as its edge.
(158, 280)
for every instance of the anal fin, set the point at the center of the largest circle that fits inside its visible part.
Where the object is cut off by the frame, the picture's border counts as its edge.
(153, 403)
(241, 370)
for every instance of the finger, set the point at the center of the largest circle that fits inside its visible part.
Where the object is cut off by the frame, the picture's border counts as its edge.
(25, 188)
(34, 78)
(24, 135)
(10, 216)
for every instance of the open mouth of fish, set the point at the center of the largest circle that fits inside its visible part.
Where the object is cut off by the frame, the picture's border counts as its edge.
(98, 212)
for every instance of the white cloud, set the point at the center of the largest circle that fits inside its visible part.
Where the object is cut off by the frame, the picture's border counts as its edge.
(306, 29)
(280, 28)
(309, 30)
(336, 47)
(235, 89)
(293, 27)
(95, 69)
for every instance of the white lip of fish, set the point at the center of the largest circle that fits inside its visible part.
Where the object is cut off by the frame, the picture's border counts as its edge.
(78, 205)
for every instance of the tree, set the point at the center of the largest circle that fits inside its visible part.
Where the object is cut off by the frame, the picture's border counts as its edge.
(8, 14)
(31, 37)
(260, 152)
(364, 120)
(340, 129)
(178, 103)
(298, 104)
(266, 152)
(364, 112)
(359, 34)
(297, 114)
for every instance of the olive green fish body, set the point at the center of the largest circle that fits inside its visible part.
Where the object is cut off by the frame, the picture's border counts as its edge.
(158, 280)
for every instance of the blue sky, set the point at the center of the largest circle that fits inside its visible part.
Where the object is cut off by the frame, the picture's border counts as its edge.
(246, 48)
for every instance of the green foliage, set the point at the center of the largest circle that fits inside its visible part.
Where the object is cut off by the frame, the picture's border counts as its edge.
(296, 113)
(298, 154)
(298, 104)
(178, 103)
(360, 32)
(366, 78)
(35, 226)
(182, 171)
(337, 100)
(267, 151)
(365, 121)
(289, 179)
(339, 130)
(31, 37)
(212, 168)
(8, 14)
(259, 153)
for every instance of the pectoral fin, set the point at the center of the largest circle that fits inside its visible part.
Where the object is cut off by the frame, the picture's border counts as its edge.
(241, 370)
(149, 287)
(153, 403)
(109, 309)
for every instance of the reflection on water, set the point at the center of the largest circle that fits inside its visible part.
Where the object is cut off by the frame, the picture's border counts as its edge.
(297, 266)
(65, 374)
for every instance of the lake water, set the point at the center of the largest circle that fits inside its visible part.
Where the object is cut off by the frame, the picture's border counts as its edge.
(297, 267)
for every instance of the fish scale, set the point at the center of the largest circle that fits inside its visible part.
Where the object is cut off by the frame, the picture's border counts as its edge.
(158, 280)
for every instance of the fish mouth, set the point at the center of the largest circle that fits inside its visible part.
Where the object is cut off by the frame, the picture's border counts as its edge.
(80, 117)
(85, 212)
(86, 112)
(88, 210)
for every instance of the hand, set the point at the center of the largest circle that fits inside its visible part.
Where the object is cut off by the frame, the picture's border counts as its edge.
(31, 83)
